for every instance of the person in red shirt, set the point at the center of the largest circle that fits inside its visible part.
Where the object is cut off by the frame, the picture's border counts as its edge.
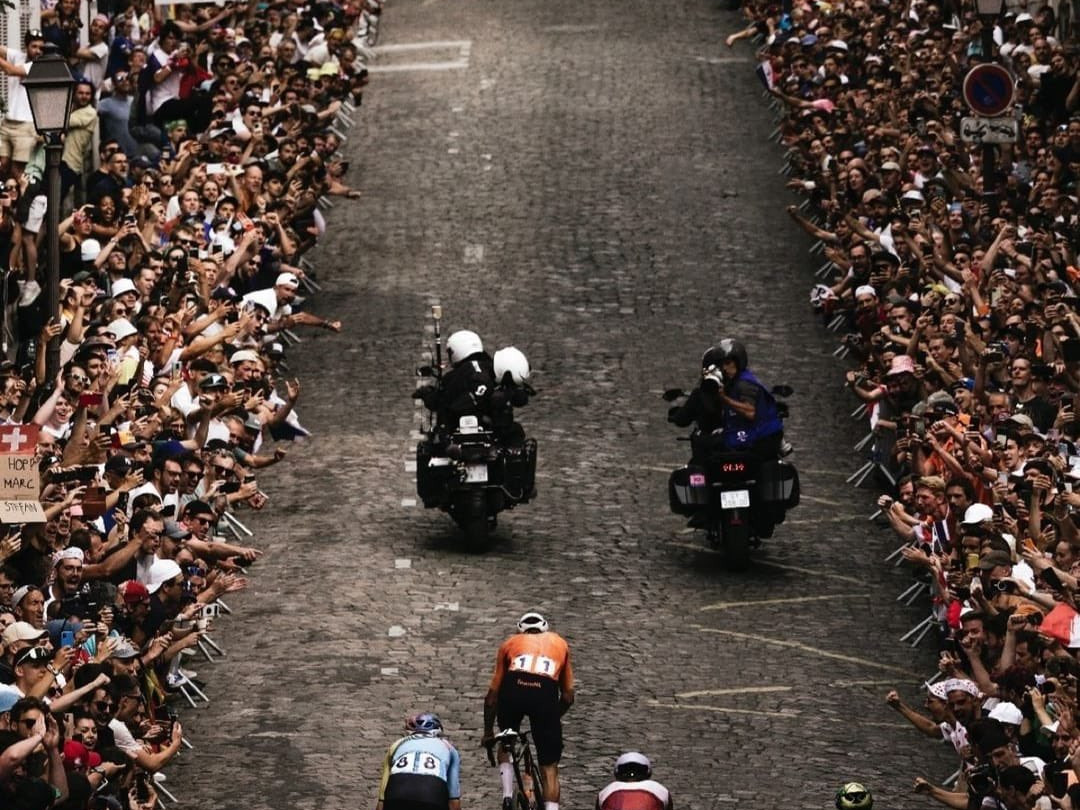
(533, 679)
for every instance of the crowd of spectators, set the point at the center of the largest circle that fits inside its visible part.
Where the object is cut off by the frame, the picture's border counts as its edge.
(204, 140)
(959, 305)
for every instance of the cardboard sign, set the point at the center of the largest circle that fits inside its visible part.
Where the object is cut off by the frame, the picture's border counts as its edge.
(21, 512)
(19, 478)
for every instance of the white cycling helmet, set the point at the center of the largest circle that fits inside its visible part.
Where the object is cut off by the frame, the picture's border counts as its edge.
(513, 361)
(532, 623)
(461, 344)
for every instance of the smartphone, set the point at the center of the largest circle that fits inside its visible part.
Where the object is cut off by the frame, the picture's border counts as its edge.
(217, 249)
(90, 399)
(168, 511)
(67, 638)
(93, 505)
(210, 611)
(1001, 440)
(112, 354)
(229, 487)
(142, 789)
(1051, 578)
(974, 424)
(122, 501)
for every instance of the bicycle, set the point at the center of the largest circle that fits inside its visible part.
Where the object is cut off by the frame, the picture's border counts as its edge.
(530, 787)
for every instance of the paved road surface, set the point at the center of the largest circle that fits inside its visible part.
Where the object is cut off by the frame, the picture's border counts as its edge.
(592, 182)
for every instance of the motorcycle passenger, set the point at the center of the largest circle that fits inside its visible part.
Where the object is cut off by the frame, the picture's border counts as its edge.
(703, 408)
(422, 771)
(512, 390)
(532, 679)
(465, 389)
(634, 788)
(752, 421)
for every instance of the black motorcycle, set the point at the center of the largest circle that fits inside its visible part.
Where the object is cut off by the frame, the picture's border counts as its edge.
(737, 498)
(468, 471)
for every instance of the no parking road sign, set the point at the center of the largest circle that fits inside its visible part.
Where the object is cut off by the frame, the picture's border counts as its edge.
(988, 90)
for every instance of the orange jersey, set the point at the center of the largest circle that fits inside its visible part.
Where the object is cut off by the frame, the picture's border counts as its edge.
(544, 654)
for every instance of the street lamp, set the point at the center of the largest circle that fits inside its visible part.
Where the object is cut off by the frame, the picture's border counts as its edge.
(49, 86)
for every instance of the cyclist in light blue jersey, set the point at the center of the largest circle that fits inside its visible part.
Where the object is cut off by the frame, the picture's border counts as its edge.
(422, 770)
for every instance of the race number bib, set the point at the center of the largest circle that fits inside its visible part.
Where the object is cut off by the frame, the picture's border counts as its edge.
(536, 664)
(419, 762)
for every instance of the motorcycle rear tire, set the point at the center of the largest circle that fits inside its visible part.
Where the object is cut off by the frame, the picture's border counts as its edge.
(736, 538)
(475, 523)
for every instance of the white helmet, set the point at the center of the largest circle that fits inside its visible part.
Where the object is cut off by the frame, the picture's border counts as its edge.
(461, 344)
(532, 622)
(512, 361)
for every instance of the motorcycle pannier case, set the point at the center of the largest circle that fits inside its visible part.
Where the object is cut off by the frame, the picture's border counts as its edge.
(778, 483)
(519, 465)
(688, 490)
(431, 480)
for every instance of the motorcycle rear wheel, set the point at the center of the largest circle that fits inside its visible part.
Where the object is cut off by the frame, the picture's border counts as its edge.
(475, 523)
(736, 534)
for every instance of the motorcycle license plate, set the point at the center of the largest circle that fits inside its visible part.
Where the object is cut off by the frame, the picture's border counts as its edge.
(476, 473)
(735, 499)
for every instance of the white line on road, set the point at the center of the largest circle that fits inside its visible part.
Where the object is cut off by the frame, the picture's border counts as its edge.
(408, 501)
(784, 601)
(395, 631)
(474, 254)
(402, 562)
(793, 715)
(824, 501)
(767, 563)
(849, 684)
(743, 690)
(401, 47)
(723, 709)
(457, 64)
(851, 659)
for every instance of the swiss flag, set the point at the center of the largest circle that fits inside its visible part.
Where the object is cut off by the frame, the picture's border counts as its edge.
(18, 438)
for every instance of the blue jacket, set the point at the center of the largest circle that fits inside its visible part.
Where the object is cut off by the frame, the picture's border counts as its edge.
(741, 433)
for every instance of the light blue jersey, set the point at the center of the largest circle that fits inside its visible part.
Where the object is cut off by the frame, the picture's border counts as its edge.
(420, 755)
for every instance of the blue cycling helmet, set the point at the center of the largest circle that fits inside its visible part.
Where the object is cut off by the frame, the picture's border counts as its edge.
(424, 723)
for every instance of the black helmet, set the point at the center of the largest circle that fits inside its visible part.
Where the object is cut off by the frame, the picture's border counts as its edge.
(713, 357)
(734, 350)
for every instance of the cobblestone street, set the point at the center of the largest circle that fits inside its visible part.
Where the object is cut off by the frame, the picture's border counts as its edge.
(591, 182)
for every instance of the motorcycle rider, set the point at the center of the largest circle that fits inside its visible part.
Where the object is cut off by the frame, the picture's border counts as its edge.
(465, 389)
(422, 771)
(634, 788)
(511, 368)
(704, 408)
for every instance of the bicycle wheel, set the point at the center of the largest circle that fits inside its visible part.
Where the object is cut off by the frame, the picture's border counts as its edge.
(533, 770)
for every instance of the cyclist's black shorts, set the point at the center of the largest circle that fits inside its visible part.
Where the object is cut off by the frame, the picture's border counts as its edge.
(537, 698)
(405, 791)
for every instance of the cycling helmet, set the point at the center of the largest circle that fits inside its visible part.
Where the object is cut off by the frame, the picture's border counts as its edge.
(632, 766)
(512, 361)
(462, 344)
(532, 622)
(424, 723)
(734, 350)
(853, 796)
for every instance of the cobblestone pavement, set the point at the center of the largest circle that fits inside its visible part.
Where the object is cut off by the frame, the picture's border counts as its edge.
(592, 182)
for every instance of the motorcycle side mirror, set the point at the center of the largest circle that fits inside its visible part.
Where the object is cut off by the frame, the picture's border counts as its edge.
(672, 394)
(782, 391)
(425, 371)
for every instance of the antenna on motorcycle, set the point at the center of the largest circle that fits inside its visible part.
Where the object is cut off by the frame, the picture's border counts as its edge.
(436, 316)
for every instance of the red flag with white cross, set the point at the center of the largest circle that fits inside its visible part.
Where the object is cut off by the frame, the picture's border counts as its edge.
(18, 438)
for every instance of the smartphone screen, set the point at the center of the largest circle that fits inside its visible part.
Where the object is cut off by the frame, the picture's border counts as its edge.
(67, 638)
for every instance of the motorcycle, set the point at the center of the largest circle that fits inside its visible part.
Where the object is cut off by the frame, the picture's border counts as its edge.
(467, 471)
(736, 497)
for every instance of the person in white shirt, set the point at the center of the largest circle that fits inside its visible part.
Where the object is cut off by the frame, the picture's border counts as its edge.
(18, 138)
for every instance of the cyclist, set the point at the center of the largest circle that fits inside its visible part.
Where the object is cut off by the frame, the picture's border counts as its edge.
(532, 678)
(634, 788)
(422, 770)
(853, 796)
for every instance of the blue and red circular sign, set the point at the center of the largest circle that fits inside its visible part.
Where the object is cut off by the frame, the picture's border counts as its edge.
(988, 90)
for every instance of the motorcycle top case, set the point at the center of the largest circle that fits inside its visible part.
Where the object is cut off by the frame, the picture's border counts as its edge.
(778, 483)
(688, 490)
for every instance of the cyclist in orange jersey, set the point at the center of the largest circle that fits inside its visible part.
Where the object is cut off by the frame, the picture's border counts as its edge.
(533, 679)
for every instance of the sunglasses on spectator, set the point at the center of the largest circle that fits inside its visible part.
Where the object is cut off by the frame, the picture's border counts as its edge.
(103, 705)
(28, 722)
(35, 655)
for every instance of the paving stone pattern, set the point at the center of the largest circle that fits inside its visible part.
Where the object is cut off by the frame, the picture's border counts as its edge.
(598, 189)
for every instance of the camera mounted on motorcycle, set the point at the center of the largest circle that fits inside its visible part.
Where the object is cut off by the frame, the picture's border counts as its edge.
(425, 371)
(712, 376)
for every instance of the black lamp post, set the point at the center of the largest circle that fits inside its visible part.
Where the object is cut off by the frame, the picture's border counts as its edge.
(989, 11)
(49, 86)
